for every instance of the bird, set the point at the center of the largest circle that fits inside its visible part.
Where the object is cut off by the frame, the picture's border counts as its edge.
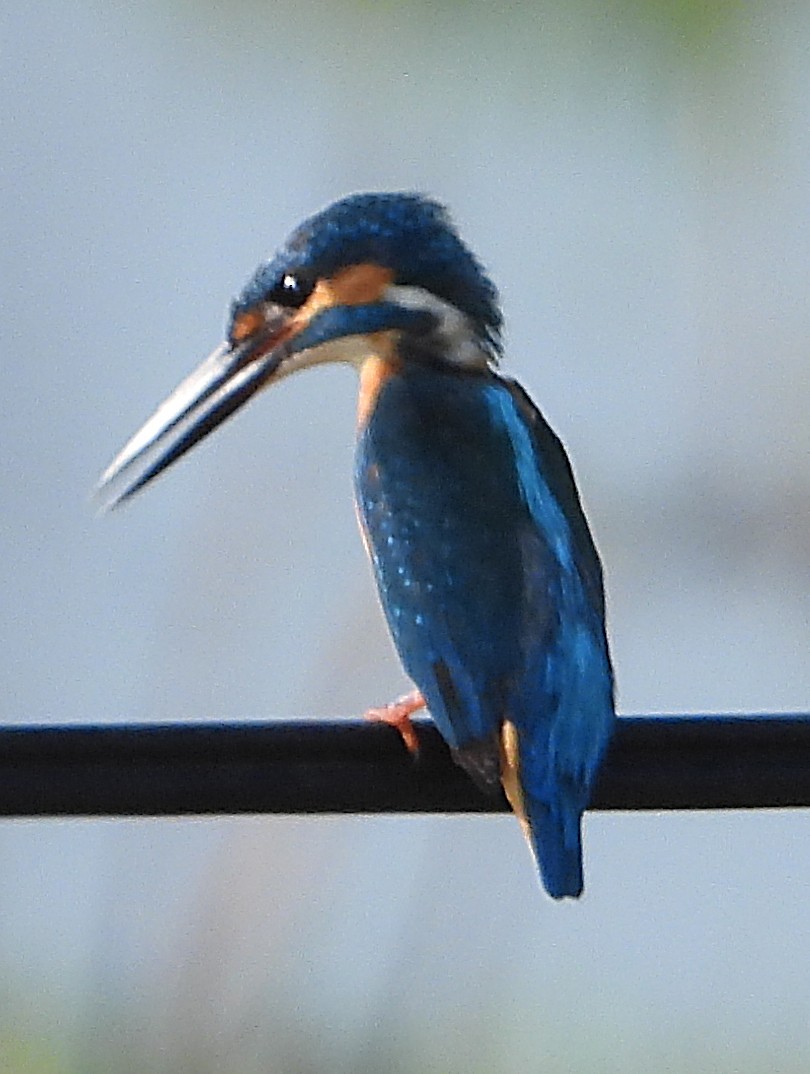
(485, 565)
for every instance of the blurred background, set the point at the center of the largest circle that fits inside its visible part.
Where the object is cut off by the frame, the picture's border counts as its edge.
(635, 177)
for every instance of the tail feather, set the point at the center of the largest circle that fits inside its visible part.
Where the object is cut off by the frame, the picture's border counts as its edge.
(557, 845)
(554, 834)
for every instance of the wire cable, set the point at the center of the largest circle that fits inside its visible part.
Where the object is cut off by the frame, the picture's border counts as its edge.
(341, 766)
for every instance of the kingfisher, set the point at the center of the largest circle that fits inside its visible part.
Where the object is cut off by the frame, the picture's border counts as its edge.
(487, 572)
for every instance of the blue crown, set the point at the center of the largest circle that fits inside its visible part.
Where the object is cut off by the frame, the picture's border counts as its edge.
(406, 233)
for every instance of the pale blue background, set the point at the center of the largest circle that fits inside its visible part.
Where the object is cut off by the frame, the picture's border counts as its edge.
(635, 176)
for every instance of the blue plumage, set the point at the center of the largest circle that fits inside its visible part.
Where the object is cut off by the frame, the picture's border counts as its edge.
(486, 569)
(492, 589)
(407, 233)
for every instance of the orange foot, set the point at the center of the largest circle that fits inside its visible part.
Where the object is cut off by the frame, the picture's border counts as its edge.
(398, 714)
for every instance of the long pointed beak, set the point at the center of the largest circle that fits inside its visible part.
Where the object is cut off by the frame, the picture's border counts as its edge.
(209, 395)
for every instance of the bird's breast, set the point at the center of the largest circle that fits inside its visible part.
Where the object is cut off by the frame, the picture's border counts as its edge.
(447, 526)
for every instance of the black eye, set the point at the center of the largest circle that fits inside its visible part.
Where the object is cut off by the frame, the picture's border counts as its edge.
(292, 290)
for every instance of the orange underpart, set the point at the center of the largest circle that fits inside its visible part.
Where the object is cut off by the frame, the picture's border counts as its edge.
(374, 372)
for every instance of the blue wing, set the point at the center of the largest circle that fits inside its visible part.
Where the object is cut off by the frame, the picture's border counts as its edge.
(564, 726)
(492, 589)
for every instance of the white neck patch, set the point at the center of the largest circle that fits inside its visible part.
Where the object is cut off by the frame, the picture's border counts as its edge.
(459, 343)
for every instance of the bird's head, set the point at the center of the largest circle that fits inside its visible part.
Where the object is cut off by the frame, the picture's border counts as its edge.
(371, 272)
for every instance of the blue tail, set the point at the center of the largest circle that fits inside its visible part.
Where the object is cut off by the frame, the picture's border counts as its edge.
(557, 845)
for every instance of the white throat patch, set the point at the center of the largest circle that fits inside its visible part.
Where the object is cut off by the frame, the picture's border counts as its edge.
(459, 343)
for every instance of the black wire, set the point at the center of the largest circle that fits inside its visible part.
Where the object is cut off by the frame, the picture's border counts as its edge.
(683, 762)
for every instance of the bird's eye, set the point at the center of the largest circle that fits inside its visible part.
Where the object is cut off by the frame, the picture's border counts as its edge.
(292, 290)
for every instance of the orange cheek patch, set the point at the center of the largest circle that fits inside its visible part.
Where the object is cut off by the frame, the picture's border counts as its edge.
(353, 286)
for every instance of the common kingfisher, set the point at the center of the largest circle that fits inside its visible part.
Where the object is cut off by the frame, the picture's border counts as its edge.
(485, 565)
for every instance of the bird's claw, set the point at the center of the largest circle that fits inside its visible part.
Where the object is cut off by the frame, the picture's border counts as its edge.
(398, 715)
